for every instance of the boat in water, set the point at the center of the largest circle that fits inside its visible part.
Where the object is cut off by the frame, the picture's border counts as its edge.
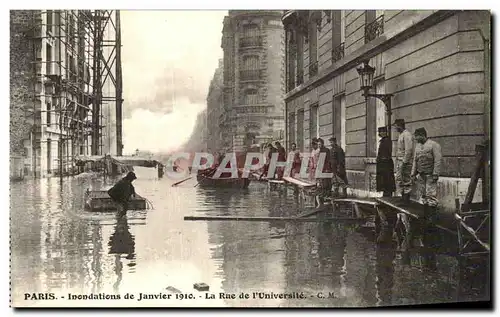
(207, 181)
(99, 201)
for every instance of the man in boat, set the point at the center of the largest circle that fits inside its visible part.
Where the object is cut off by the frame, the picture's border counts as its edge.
(404, 159)
(338, 167)
(122, 191)
(385, 165)
(425, 171)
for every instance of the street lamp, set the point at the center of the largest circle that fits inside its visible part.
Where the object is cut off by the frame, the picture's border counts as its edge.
(366, 74)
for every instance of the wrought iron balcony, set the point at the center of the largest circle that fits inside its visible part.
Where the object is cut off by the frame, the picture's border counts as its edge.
(374, 29)
(251, 74)
(251, 41)
(338, 53)
(250, 109)
(300, 78)
(313, 69)
(290, 83)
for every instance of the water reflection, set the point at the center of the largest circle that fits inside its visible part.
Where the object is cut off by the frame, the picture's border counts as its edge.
(121, 242)
(59, 247)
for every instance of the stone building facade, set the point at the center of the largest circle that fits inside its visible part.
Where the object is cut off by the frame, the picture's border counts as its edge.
(253, 78)
(215, 108)
(435, 63)
(51, 73)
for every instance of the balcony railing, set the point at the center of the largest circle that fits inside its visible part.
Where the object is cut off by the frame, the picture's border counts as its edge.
(252, 109)
(313, 69)
(251, 41)
(291, 83)
(300, 78)
(338, 53)
(374, 29)
(251, 74)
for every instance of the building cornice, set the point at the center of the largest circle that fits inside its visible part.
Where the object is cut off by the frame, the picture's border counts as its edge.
(367, 51)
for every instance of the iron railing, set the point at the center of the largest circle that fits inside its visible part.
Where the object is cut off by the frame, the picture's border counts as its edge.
(251, 41)
(299, 78)
(374, 29)
(338, 53)
(313, 69)
(251, 74)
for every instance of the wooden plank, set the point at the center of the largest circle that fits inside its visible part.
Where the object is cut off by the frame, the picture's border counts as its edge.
(414, 210)
(370, 202)
(243, 218)
(182, 181)
(472, 233)
(297, 182)
(275, 181)
(308, 213)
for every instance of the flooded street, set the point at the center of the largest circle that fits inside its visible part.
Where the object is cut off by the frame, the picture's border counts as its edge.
(58, 247)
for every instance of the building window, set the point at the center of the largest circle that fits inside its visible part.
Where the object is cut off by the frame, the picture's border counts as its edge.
(49, 114)
(313, 49)
(251, 97)
(48, 59)
(300, 59)
(313, 122)
(374, 24)
(375, 117)
(291, 51)
(380, 116)
(291, 129)
(50, 20)
(250, 30)
(49, 156)
(338, 35)
(300, 130)
(251, 62)
(338, 121)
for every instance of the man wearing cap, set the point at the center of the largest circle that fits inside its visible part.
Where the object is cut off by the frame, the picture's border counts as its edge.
(338, 167)
(404, 159)
(385, 165)
(121, 192)
(425, 170)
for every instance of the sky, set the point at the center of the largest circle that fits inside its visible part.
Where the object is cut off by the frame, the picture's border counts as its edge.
(168, 60)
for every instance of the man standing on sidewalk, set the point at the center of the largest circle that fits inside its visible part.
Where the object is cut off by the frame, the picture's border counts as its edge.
(404, 159)
(338, 168)
(325, 183)
(425, 170)
(385, 165)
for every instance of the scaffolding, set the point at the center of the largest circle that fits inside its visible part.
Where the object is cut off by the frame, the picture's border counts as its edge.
(73, 81)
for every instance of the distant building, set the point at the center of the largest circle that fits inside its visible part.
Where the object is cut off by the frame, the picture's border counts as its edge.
(54, 87)
(435, 63)
(215, 112)
(253, 78)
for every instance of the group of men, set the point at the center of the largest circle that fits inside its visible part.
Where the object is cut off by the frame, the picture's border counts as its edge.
(418, 159)
(334, 163)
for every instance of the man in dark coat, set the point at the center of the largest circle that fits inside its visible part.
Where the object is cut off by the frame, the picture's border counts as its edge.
(385, 166)
(281, 158)
(325, 183)
(121, 192)
(338, 167)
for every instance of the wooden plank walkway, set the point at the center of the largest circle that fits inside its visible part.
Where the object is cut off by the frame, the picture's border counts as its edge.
(264, 219)
(415, 210)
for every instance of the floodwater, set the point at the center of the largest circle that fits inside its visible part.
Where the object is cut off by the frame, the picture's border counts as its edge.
(59, 248)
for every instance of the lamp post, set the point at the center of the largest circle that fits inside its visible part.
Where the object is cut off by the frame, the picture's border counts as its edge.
(366, 74)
